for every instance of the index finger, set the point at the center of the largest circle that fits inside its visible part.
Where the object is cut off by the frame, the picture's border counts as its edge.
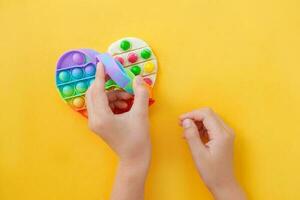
(100, 78)
(96, 93)
(208, 117)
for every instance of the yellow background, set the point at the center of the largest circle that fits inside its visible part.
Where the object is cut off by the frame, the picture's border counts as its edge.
(240, 57)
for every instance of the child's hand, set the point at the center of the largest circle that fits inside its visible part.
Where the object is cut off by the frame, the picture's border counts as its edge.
(211, 144)
(128, 133)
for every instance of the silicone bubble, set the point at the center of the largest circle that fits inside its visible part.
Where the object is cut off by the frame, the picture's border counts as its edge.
(64, 76)
(90, 70)
(78, 58)
(81, 87)
(132, 57)
(146, 53)
(78, 102)
(68, 90)
(148, 81)
(149, 67)
(136, 70)
(125, 45)
(77, 73)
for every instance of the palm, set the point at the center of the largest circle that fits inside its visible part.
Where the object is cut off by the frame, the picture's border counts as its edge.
(119, 101)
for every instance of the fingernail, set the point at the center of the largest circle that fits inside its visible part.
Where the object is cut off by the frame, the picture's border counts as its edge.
(186, 123)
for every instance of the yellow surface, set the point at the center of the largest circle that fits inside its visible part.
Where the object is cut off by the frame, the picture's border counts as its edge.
(240, 57)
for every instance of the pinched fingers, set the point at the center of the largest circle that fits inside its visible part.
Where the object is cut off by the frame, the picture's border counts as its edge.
(210, 121)
(97, 103)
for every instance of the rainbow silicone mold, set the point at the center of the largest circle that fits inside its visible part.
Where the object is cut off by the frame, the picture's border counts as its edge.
(75, 70)
(74, 74)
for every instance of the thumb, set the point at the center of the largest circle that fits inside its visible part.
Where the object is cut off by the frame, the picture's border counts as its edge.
(192, 136)
(141, 96)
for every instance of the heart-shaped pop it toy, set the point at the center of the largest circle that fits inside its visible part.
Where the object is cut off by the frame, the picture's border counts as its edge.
(75, 70)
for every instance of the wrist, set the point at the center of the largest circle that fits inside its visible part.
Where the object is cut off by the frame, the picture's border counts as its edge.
(230, 190)
(139, 160)
(130, 179)
(134, 170)
(136, 164)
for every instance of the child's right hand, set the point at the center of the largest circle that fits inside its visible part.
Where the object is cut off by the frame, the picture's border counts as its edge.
(127, 133)
(214, 159)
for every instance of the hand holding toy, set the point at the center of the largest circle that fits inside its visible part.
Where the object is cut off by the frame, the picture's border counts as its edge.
(125, 59)
(122, 77)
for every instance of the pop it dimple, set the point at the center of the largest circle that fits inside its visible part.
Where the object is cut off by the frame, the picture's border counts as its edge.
(76, 69)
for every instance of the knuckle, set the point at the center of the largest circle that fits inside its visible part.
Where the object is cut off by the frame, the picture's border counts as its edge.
(100, 124)
(228, 136)
(141, 113)
(231, 132)
(207, 110)
(90, 92)
(190, 134)
(91, 125)
(144, 92)
(198, 155)
(97, 125)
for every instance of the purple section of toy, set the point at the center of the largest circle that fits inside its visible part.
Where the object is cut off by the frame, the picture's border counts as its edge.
(76, 58)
